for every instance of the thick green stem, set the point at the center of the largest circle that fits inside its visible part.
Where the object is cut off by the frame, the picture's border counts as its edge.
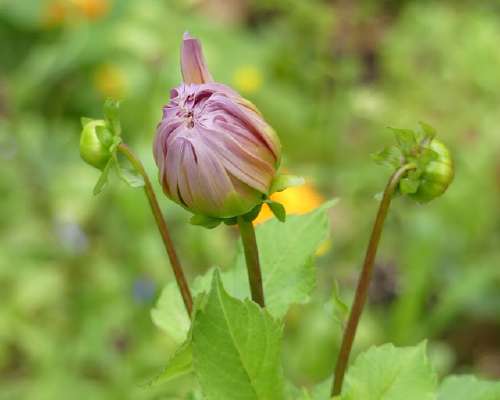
(364, 280)
(252, 258)
(162, 227)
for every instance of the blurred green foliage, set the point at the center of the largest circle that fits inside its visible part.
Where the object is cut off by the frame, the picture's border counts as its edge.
(79, 274)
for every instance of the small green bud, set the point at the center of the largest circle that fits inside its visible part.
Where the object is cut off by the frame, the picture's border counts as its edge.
(95, 143)
(437, 174)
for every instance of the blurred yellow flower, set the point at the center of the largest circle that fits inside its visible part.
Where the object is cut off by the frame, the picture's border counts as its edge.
(109, 80)
(247, 79)
(57, 11)
(92, 9)
(296, 200)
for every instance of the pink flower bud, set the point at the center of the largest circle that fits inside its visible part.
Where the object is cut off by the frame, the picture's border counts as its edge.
(216, 154)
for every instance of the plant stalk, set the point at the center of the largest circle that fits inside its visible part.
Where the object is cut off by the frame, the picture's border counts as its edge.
(162, 227)
(252, 259)
(364, 279)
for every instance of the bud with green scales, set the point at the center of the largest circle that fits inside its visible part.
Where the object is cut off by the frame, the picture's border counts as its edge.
(95, 142)
(433, 168)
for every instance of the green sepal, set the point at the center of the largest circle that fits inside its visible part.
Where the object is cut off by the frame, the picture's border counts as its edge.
(406, 139)
(206, 222)
(428, 132)
(409, 185)
(104, 135)
(277, 209)
(103, 178)
(390, 156)
(111, 111)
(284, 181)
(254, 212)
(84, 121)
(230, 221)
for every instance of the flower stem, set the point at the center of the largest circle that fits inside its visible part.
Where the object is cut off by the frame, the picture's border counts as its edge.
(162, 227)
(364, 279)
(252, 258)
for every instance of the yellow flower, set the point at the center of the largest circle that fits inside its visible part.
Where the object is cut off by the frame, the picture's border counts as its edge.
(247, 79)
(296, 200)
(110, 81)
(92, 9)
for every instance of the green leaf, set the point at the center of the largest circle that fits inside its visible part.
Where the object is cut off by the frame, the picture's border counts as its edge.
(468, 387)
(206, 222)
(181, 363)
(103, 178)
(390, 156)
(406, 140)
(283, 181)
(318, 392)
(130, 177)
(236, 349)
(339, 309)
(277, 209)
(170, 315)
(286, 256)
(112, 113)
(390, 373)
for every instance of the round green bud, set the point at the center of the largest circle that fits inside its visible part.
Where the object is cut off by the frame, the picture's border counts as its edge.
(438, 174)
(95, 141)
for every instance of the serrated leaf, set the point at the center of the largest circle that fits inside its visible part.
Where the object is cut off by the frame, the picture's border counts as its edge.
(284, 181)
(390, 373)
(468, 387)
(170, 315)
(206, 222)
(277, 209)
(286, 254)
(103, 178)
(181, 363)
(236, 349)
(408, 186)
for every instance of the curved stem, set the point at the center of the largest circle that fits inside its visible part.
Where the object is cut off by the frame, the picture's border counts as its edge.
(162, 227)
(252, 258)
(364, 280)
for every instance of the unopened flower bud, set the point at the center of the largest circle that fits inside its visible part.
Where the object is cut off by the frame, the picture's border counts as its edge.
(437, 175)
(95, 141)
(216, 154)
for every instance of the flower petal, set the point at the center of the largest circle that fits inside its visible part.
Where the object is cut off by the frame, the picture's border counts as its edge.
(193, 66)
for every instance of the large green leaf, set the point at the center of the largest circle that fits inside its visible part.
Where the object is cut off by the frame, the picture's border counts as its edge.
(179, 364)
(170, 315)
(391, 373)
(286, 251)
(236, 349)
(468, 387)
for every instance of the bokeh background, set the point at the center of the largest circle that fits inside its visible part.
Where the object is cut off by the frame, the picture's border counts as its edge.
(79, 274)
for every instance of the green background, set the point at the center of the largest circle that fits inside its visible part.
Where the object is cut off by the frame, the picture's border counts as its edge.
(79, 274)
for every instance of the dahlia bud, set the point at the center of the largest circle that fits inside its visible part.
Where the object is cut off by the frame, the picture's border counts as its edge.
(95, 141)
(437, 174)
(216, 154)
